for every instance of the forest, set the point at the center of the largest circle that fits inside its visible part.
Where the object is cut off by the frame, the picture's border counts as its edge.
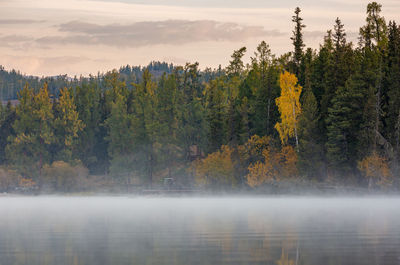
(307, 118)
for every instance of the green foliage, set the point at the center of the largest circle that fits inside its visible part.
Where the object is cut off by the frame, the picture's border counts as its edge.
(120, 138)
(169, 149)
(236, 65)
(311, 153)
(29, 149)
(215, 115)
(392, 86)
(297, 40)
(92, 146)
(343, 125)
(67, 125)
(153, 122)
(266, 90)
(145, 125)
(192, 130)
(7, 118)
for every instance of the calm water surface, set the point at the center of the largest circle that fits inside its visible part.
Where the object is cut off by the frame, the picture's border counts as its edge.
(124, 230)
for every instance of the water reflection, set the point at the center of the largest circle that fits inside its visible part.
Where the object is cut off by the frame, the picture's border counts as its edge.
(115, 230)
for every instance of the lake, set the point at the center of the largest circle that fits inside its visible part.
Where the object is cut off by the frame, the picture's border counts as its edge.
(135, 230)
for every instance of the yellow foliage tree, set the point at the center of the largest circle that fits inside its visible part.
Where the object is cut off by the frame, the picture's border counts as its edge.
(376, 169)
(289, 107)
(216, 169)
(261, 172)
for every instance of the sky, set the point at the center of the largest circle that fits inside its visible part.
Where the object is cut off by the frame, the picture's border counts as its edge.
(82, 37)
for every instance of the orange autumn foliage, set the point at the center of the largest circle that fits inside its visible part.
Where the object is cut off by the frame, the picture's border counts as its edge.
(216, 169)
(277, 165)
(376, 169)
(253, 149)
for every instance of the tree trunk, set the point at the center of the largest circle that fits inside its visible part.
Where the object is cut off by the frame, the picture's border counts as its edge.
(295, 128)
(268, 114)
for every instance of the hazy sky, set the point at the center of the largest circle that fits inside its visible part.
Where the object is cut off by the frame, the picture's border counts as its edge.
(51, 37)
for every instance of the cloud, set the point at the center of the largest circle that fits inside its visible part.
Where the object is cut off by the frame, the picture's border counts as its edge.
(14, 38)
(154, 33)
(16, 42)
(19, 21)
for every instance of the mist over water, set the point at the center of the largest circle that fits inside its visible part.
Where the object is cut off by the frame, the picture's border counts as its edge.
(132, 230)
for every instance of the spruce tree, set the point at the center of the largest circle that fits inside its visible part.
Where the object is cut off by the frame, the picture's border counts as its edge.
(191, 111)
(121, 140)
(392, 86)
(373, 37)
(7, 118)
(34, 132)
(67, 125)
(310, 150)
(167, 116)
(343, 126)
(297, 40)
(265, 91)
(145, 126)
(92, 147)
(215, 115)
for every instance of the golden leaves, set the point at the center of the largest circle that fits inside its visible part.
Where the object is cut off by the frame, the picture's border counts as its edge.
(216, 168)
(376, 167)
(264, 162)
(289, 106)
(278, 164)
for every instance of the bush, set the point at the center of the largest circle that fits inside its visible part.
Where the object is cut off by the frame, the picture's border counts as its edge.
(217, 169)
(62, 176)
(8, 179)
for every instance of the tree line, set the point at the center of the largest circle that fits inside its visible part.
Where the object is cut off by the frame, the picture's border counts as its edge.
(330, 115)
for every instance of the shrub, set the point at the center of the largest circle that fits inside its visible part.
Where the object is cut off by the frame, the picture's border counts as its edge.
(62, 176)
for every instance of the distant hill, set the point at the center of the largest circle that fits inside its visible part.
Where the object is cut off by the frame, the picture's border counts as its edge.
(13, 81)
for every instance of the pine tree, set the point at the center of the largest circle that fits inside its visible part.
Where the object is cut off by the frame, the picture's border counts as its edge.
(215, 115)
(92, 147)
(297, 40)
(311, 152)
(392, 86)
(67, 126)
(121, 140)
(373, 37)
(29, 149)
(323, 86)
(167, 111)
(265, 90)
(145, 126)
(236, 65)
(230, 87)
(192, 129)
(7, 118)
(342, 55)
(343, 126)
(338, 67)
